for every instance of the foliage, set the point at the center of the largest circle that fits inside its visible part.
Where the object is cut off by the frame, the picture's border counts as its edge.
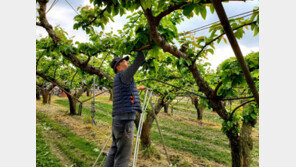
(234, 84)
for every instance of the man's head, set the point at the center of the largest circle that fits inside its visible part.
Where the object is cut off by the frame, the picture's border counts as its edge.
(120, 64)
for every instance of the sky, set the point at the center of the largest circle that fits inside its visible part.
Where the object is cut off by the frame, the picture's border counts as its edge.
(62, 14)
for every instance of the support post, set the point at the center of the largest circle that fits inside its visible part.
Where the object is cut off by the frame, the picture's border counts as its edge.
(93, 110)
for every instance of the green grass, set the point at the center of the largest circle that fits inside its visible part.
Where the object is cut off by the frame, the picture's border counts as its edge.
(200, 141)
(77, 149)
(44, 157)
(103, 110)
(191, 112)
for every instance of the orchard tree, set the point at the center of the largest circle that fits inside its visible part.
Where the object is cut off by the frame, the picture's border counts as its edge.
(162, 19)
(243, 116)
(44, 87)
(79, 55)
(54, 68)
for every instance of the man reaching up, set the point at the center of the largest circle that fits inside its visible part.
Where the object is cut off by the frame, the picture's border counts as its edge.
(126, 104)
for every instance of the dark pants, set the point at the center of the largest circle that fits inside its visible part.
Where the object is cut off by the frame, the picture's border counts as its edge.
(121, 149)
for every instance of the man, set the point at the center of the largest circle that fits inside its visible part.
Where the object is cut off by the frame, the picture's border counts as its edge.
(126, 104)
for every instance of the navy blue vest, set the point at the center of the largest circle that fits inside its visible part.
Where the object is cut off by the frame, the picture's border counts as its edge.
(126, 99)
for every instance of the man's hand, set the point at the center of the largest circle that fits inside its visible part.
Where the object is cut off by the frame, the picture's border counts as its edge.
(141, 88)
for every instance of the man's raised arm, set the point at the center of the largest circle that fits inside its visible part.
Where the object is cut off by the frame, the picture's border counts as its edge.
(129, 73)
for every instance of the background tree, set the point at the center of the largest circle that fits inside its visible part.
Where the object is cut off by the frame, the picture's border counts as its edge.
(54, 68)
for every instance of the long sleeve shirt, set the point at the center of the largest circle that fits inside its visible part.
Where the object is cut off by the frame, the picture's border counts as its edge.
(128, 74)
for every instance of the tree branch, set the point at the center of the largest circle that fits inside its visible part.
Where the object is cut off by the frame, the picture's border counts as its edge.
(37, 62)
(213, 40)
(86, 61)
(73, 77)
(55, 71)
(95, 18)
(240, 106)
(38, 24)
(57, 83)
(49, 79)
(71, 56)
(237, 98)
(158, 39)
(141, 48)
(168, 11)
(174, 7)
(217, 88)
(51, 87)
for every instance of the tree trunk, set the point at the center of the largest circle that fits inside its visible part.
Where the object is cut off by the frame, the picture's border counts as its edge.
(45, 96)
(236, 151)
(147, 125)
(199, 109)
(247, 143)
(166, 107)
(38, 94)
(72, 103)
(111, 95)
(88, 93)
(146, 131)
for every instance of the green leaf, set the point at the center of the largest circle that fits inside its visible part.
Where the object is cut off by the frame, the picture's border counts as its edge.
(203, 11)
(211, 51)
(154, 52)
(253, 116)
(188, 9)
(188, 62)
(146, 4)
(212, 8)
(256, 31)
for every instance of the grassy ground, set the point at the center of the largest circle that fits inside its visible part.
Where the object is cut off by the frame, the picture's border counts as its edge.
(74, 141)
